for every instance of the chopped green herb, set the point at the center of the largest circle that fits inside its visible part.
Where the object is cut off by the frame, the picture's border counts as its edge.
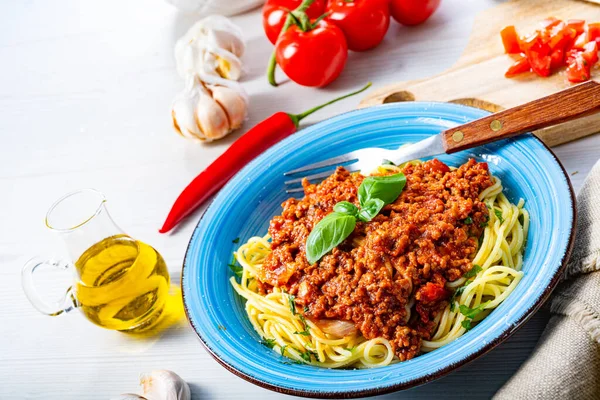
(292, 303)
(485, 223)
(466, 324)
(472, 312)
(521, 219)
(236, 240)
(305, 332)
(270, 343)
(306, 309)
(283, 349)
(237, 270)
(488, 206)
(457, 293)
(468, 221)
(499, 215)
(472, 272)
(221, 328)
(387, 162)
(306, 356)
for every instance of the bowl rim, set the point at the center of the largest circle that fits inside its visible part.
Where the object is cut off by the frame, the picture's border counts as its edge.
(507, 333)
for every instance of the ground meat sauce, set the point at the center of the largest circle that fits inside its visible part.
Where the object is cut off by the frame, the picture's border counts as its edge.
(388, 276)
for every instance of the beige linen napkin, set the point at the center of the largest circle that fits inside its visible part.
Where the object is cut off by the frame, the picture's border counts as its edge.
(566, 361)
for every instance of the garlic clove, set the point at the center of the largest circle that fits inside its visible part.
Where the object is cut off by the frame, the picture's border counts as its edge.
(209, 112)
(211, 118)
(183, 112)
(231, 101)
(164, 385)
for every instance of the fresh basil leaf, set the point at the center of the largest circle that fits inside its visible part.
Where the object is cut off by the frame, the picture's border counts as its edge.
(468, 221)
(370, 209)
(270, 343)
(472, 272)
(472, 312)
(328, 233)
(345, 207)
(499, 215)
(386, 188)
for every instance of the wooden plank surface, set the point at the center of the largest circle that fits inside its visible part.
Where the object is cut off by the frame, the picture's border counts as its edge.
(85, 89)
(477, 77)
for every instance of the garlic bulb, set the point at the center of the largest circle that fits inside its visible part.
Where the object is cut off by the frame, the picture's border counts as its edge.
(160, 385)
(223, 7)
(211, 49)
(208, 112)
(164, 385)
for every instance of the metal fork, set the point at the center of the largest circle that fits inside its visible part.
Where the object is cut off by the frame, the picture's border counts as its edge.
(566, 105)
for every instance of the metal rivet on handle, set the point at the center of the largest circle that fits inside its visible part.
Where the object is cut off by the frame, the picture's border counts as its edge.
(496, 125)
(458, 136)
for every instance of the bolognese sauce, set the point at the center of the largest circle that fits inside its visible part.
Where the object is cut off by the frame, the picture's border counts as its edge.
(388, 277)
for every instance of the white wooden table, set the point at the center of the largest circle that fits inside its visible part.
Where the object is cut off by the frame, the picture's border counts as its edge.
(85, 91)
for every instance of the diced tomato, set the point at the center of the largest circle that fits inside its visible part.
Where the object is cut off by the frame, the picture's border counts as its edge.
(436, 165)
(558, 58)
(550, 22)
(510, 40)
(557, 39)
(520, 65)
(577, 24)
(431, 293)
(579, 70)
(594, 32)
(530, 41)
(555, 44)
(580, 41)
(590, 52)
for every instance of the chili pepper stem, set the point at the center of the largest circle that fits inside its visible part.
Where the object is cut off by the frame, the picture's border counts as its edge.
(296, 118)
(288, 22)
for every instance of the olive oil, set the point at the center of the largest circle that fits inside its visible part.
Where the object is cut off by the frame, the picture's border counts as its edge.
(123, 284)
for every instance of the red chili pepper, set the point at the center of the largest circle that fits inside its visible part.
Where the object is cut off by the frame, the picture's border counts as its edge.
(258, 139)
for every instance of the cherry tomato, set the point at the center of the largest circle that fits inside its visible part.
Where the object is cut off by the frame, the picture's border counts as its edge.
(510, 40)
(413, 12)
(521, 65)
(312, 58)
(275, 13)
(364, 22)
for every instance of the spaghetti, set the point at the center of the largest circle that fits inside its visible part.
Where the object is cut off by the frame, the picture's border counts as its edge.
(495, 274)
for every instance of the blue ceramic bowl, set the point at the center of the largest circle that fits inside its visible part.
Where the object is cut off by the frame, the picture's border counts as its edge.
(243, 208)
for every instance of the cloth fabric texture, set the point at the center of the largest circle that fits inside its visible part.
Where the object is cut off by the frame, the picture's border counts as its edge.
(565, 363)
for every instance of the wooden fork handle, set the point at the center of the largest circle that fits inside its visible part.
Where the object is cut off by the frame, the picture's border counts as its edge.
(566, 105)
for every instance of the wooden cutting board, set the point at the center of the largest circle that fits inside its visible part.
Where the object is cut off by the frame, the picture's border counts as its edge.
(477, 79)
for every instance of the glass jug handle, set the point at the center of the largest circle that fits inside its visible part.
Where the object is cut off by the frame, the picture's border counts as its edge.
(52, 308)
